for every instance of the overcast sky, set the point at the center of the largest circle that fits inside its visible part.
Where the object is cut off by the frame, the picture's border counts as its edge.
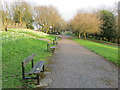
(67, 8)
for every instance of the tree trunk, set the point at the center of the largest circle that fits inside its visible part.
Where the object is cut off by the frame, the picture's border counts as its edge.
(78, 35)
(53, 29)
(47, 30)
(118, 40)
(42, 29)
(84, 36)
(102, 38)
(108, 39)
(6, 29)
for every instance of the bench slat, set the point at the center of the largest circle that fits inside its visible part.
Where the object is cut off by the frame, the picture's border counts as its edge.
(52, 47)
(27, 60)
(38, 65)
(34, 68)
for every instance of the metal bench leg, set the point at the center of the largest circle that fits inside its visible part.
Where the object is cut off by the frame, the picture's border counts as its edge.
(43, 68)
(53, 50)
(38, 79)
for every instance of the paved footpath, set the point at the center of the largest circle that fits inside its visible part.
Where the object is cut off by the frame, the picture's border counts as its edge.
(74, 66)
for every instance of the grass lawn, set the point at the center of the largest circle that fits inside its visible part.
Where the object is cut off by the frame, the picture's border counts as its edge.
(33, 33)
(108, 52)
(102, 41)
(16, 47)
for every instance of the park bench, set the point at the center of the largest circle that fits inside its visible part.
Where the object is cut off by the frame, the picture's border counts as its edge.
(35, 70)
(51, 47)
(55, 41)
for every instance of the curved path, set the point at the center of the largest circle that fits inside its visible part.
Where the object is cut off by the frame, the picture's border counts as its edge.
(74, 66)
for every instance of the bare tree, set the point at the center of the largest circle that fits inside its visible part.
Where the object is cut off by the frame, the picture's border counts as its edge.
(5, 14)
(85, 23)
(118, 22)
(46, 17)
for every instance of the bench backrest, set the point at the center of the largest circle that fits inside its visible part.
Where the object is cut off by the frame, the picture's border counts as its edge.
(56, 39)
(27, 60)
(48, 44)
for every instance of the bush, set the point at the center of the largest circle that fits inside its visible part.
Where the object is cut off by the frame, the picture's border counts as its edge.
(57, 33)
(29, 26)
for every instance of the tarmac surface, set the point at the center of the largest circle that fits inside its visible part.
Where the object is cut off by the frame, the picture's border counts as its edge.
(74, 66)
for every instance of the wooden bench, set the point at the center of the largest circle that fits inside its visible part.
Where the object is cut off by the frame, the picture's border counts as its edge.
(35, 70)
(55, 42)
(50, 48)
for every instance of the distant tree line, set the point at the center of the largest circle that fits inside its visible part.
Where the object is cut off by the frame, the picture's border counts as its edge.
(25, 15)
(101, 25)
(17, 14)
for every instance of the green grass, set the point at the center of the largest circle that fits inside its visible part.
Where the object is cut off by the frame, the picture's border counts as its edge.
(102, 41)
(36, 34)
(16, 47)
(108, 52)
(0, 62)
(73, 35)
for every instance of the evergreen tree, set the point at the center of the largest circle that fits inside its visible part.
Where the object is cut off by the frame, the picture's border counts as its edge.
(108, 24)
